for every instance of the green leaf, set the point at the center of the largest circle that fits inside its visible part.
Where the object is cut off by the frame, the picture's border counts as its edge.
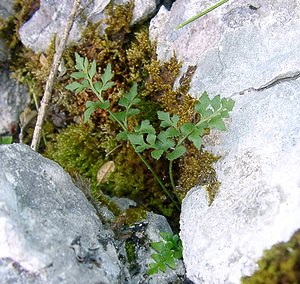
(187, 128)
(172, 132)
(88, 112)
(195, 137)
(178, 253)
(175, 119)
(122, 136)
(178, 152)
(151, 138)
(217, 123)
(92, 72)
(133, 111)
(216, 103)
(103, 105)
(107, 75)
(166, 236)
(153, 269)
(228, 104)
(145, 127)
(73, 86)
(165, 118)
(166, 142)
(124, 102)
(156, 154)
(158, 246)
(142, 148)
(120, 116)
(6, 139)
(79, 62)
(136, 139)
(156, 257)
(169, 245)
(98, 87)
(90, 104)
(78, 75)
(170, 261)
(136, 101)
(132, 93)
(107, 86)
(85, 83)
(204, 100)
(203, 104)
(224, 114)
(162, 267)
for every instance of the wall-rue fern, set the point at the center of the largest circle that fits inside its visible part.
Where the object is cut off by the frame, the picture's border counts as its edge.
(169, 139)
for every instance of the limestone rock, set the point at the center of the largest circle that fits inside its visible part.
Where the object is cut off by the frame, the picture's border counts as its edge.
(13, 100)
(246, 51)
(235, 47)
(50, 233)
(49, 230)
(50, 19)
(257, 204)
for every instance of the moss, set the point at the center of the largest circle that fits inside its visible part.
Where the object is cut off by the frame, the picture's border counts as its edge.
(280, 264)
(134, 215)
(130, 252)
(197, 168)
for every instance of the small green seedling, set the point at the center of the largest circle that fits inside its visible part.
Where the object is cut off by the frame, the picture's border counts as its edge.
(6, 139)
(168, 251)
(169, 139)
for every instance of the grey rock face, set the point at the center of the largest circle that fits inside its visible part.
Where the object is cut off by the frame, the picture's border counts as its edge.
(52, 15)
(50, 233)
(49, 230)
(6, 9)
(248, 53)
(257, 204)
(13, 100)
(234, 47)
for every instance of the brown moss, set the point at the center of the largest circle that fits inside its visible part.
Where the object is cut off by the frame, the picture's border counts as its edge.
(196, 168)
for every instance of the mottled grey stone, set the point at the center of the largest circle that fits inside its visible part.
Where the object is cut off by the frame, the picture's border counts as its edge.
(14, 98)
(42, 214)
(234, 47)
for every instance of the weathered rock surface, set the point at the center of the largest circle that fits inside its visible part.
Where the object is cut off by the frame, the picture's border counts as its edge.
(6, 10)
(52, 15)
(249, 52)
(50, 233)
(235, 47)
(13, 100)
(42, 214)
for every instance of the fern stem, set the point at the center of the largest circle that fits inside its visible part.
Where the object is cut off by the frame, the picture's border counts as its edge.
(172, 179)
(157, 179)
(202, 14)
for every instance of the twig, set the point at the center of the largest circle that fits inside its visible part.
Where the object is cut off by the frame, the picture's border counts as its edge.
(52, 75)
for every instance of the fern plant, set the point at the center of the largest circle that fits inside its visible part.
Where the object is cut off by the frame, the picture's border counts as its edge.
(171, 137)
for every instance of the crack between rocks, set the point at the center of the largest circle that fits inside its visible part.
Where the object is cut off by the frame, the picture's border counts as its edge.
(276, 81)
